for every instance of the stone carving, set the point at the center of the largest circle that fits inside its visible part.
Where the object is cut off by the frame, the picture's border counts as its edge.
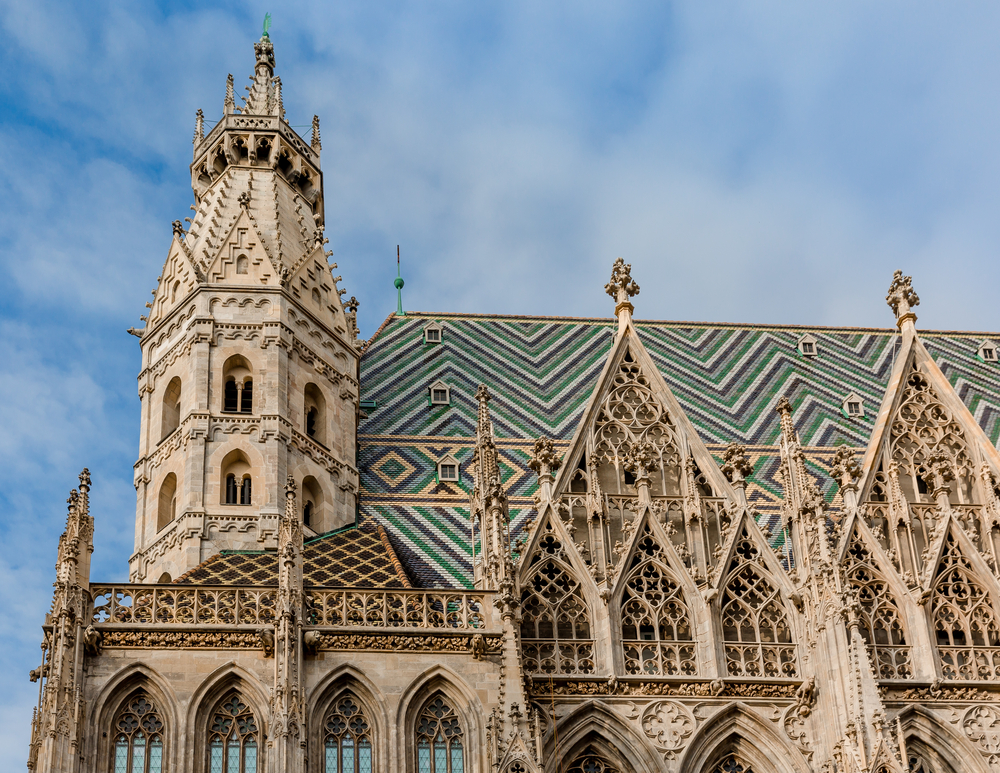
(794, 725)
(92, 640)
(407, 643)
(668, 725)
(735, 463)
(982, 727)
(844, 467)
(544, 458)
(544, 688)
(621, 287)
(901, 297)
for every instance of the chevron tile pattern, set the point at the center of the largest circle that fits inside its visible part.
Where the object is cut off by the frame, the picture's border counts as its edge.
(541, 372)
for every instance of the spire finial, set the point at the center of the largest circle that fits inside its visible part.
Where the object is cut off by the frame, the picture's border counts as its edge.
(398, 283)
(199, 126)
(267, 26)
(621, 288)
(317, 145)
(229, 106)
(902, 299)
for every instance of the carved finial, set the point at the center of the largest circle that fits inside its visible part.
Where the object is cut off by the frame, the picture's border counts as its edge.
(544, 458)
(902, 298)
(317, 145)
(199, 126)
(279, 103)
(641, 458)
(178, 229)
(229, 106)
(783, 406)
(621, 288)
(244, 199)
(290, 487)
(352, 305)
(845, 468)
(735, 463)
(85, 480)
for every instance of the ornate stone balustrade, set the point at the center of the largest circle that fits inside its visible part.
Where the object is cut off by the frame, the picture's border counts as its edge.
(972, 663)
(333, 608)
(563, 657)
(398, 609)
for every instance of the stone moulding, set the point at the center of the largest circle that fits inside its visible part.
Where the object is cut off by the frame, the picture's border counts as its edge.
(544, 688)
(225, 637)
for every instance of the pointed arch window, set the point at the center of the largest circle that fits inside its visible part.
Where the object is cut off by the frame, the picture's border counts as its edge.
(590, 760)
(965, 623)
(233, 737)
(755, 629)
(655, 621)
(880, 622)
(732, 763)
(138, 733)
(347, 745)
(439, 739)
(556, 636)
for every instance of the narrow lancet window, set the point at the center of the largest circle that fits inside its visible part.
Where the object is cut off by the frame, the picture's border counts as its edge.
(138, 745)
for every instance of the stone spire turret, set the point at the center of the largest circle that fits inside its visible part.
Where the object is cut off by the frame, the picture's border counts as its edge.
(489, 503)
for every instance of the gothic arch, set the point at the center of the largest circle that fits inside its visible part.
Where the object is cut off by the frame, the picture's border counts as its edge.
(758, 625)
(206, 699)
(557, 623)
(443, 681)
(759, 744)
(222, 459)
(347, 678)
(595, 724)
(924, 731)
(128, 681)
(653, 607)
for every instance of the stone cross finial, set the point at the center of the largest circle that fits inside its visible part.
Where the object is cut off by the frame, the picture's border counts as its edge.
(621, 288)
(244, 199)
(902, 298)
(316, 143)
(352, 305)
(178, 227)
(845, 468)
(290, 486)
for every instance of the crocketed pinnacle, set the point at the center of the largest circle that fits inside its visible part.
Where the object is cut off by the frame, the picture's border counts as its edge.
(485, 447)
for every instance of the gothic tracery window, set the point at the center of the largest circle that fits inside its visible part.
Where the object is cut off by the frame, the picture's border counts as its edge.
(233, 737)
(556, 635)
(880, 621)
(656, 625)
(347, 746)
(732, 763)
(755, 629)
(965, 624)
(592, 761)
(439, 739)
(138, 734)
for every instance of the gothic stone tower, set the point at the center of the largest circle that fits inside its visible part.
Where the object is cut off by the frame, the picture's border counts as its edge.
(249, 360)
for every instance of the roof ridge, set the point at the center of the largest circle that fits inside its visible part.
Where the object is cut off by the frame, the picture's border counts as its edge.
(375, 335)
(610, 321)
(396, 563)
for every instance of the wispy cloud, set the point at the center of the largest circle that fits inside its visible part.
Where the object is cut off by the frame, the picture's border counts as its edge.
(755, 162)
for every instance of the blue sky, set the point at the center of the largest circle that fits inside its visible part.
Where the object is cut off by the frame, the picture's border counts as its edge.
(755, 162)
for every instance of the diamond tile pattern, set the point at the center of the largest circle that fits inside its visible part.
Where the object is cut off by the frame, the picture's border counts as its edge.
(353, 558)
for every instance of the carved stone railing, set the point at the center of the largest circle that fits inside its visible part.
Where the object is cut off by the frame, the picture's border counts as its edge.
(891, 661)
(398, 609)
(190, 605)
(972, 663)
(564, 657)
(653, 658)
(335, 608)
(758, 661)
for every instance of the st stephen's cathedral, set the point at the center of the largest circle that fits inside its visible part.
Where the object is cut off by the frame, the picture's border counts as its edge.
(508, 544)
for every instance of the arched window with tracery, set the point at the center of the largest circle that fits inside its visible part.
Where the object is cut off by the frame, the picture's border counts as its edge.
(590, 760)
(233, 737)
(965, 624)
(439, 739)
(755, 629)
(880, 622)
(732, 763)
(347, 743)
(556, 635)
(138, 737)
(656, 624)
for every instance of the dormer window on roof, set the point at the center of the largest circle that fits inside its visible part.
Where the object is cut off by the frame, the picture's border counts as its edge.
(440, 393)
(853, 407)
(807, 346)
(987, 351)
(448, 469)
(432, 333)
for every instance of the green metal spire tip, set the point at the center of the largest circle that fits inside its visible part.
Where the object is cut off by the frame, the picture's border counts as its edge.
(267, 25)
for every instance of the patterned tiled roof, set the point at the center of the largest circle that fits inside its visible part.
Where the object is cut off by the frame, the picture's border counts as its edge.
(350, 558)
(542, 371)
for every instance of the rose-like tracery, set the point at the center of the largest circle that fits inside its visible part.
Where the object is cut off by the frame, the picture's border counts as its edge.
(138, 734)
